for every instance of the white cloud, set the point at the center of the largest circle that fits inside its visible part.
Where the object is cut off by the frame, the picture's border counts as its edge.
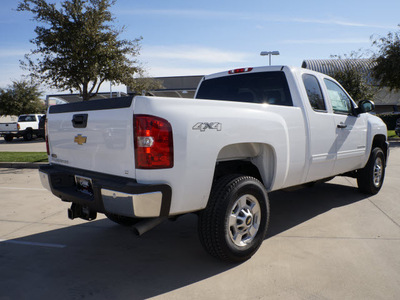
(328, 41)
(254, 16)
(341, 23)
(188, 13)
(5, 53)
(189, 53)
(182, 60)
(166, 71)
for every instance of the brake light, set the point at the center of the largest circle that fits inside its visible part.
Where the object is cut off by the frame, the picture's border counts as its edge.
(241, 70)
(153, 142)
(46, 137)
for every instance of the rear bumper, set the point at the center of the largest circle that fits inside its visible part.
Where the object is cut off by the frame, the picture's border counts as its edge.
(111, 194)
(16, 133)
(13, 133)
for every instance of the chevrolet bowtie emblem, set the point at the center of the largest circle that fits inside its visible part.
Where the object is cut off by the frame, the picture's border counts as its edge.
(80, 140)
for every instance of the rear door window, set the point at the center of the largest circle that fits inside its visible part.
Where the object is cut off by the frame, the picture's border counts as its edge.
(314, 92)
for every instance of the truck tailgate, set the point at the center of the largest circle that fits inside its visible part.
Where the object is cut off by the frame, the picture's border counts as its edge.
(94, 135)
(8, 127)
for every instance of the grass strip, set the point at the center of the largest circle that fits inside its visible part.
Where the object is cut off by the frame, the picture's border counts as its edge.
(23, 157)
(392, 134)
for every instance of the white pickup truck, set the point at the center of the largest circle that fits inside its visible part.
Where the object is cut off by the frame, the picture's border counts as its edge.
(27, 126)
(249, 131)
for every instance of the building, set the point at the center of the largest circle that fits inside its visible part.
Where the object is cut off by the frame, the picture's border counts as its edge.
(55, 99)
(176, 86)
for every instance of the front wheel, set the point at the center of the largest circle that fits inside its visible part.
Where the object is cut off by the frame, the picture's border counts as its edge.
(370, 178)
(28, 136)
(233, 225)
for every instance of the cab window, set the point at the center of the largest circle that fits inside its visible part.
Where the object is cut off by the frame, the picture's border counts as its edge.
(256, 87)
(341, 103)
(314, 92)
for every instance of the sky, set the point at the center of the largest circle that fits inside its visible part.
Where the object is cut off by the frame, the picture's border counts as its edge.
(182, 37)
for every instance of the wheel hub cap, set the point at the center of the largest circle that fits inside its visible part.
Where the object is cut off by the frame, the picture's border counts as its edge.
(378, 171)
(244, 220)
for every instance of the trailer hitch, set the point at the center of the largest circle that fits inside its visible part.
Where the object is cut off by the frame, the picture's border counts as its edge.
(83, 212)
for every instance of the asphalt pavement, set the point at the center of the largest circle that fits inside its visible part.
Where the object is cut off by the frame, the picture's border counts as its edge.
(324, 242)
(20, 145)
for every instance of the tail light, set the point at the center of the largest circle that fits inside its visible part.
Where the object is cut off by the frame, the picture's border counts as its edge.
(153, 142)
(46, 137)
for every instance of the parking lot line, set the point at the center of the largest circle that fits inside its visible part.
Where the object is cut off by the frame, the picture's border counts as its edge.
(21, 189)
(33, 244)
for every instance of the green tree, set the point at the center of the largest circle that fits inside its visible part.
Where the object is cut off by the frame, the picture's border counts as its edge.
(143, 84)
(354, 82)
(22, 97)
(387, 69)
(77, 48)
(355, 79)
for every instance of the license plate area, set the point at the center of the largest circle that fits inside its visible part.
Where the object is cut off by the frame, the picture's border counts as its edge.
(84, 185)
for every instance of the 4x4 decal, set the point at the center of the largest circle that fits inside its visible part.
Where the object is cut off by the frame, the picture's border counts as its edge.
(203, 126)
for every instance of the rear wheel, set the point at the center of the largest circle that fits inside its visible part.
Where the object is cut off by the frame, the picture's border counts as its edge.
(235, 221)
(370, 178)
(8, 138)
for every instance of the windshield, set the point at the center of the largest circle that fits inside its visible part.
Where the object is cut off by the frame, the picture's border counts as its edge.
(261, 87)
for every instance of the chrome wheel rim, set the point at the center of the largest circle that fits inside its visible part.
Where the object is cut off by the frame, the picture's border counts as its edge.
(378, 172)
(244, 220)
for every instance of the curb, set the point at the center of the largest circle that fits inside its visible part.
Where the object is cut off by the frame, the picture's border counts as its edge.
(394, 143)
(21, 165)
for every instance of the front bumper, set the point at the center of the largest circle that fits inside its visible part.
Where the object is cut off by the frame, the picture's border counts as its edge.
(111, 194)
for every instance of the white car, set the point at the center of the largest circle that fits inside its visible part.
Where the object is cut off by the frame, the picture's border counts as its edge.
(27, 126)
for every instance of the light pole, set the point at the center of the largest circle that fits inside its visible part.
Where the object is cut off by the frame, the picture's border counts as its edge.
(269, 53)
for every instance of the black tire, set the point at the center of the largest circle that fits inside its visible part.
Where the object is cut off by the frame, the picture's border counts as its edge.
(122, 220)
(28, 135)
(8, 138)
(233, 225)
(370, 178)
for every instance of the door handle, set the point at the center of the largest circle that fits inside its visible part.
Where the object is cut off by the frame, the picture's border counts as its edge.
(342, 125)
(79, 121)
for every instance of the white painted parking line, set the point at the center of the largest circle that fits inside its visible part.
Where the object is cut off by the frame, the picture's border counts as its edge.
(33, 244)
(21, 189)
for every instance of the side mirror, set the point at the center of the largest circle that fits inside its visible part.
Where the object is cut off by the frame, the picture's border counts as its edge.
(365, 106)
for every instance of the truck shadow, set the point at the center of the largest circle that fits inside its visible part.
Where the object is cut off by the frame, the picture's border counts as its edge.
(291, 208)
(103, 260)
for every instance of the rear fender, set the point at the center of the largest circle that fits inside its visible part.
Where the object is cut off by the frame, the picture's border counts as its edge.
(262, 156)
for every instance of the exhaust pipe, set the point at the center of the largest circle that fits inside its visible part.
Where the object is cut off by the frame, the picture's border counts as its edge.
(83, 212)
(146, 225)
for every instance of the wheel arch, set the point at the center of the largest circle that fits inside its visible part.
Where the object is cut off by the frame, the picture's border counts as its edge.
(380, 141)
(252, 159)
